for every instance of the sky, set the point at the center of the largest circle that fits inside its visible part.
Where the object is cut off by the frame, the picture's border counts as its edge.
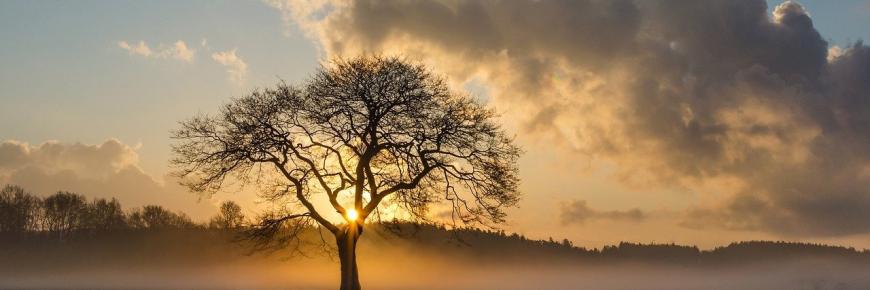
(695, 122)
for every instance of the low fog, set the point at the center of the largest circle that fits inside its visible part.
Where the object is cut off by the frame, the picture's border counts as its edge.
(415, 258)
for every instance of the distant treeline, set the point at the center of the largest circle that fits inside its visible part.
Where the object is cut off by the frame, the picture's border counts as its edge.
(497, 243)
(65, 213)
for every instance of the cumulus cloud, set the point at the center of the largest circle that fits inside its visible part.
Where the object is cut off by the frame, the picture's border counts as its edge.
(178, 50)
(237, 69)
(578, 212)
(104, 170)
(681, 94)
(788, 8)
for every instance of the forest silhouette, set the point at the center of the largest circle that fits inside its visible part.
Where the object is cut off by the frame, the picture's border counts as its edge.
(67, 217)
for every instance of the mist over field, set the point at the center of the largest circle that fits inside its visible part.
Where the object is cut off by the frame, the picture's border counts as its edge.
(418, 258)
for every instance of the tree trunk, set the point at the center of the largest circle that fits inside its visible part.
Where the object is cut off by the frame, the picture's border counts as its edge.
(346, 242)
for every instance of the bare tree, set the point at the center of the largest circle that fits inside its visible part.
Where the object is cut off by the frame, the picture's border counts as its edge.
(18, 210)
(360, 133)
(155, 217)
(104, 215)
(229, 217)
(64, 213)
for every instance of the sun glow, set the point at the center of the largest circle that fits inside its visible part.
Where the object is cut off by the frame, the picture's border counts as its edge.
(352, 215)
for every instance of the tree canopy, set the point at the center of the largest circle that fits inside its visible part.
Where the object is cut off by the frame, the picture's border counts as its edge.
(375, 129)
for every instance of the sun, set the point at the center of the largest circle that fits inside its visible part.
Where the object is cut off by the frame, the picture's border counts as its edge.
(352, 215)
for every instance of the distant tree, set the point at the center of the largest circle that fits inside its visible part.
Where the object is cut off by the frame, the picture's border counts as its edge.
(156, 217)
(134, 219)
(19, 210)
(104, 215)
(229, 217)
(63, 212)
(369, 129)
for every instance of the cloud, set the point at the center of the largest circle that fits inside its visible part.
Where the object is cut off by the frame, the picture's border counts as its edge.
(834, 52)
(578, 212)
(787, 9)
(105, 170)
(178, 50)
(237, 69)
(139, 49)
(304, 13)
(680, 94)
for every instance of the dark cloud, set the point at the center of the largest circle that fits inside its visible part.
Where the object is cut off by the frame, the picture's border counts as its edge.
(676, 93)
(578, 212)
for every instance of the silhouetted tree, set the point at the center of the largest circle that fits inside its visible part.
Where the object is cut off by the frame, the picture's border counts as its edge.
(63, 212)
(18, 210)
(104, 215)
(229, 217)
(369, 129)
(155, 217)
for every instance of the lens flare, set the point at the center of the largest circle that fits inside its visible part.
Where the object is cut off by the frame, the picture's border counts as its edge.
(352, 215)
